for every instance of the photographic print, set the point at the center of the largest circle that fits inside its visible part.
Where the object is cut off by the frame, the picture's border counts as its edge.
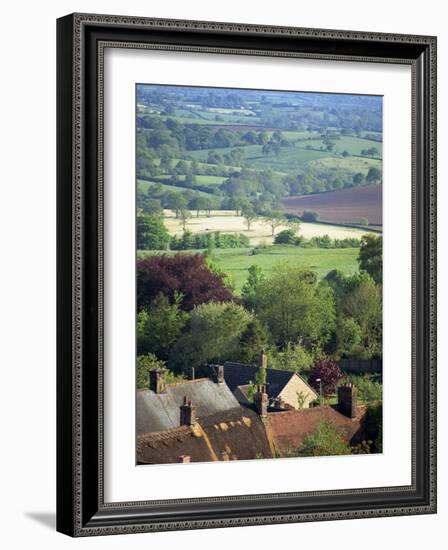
(259, 274)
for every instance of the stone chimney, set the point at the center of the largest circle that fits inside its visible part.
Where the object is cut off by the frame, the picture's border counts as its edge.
(261, 400)
(157, 381)
(347, 399)
(218, 373)
(187, 413)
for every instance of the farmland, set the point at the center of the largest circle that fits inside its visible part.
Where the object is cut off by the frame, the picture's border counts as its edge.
(226, 221)
(343, 206)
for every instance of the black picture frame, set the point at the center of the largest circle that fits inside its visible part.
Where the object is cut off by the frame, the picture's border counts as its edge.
(81, 510)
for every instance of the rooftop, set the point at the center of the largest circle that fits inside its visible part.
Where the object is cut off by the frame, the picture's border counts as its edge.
(161, 411)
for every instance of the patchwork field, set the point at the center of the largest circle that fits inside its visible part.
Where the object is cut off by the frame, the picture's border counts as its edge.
(226, 221)
(343, 206)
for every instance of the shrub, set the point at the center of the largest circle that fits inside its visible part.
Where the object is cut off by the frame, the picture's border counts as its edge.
(326, 440)
(310, 216)
(287, 236)
(329, 374)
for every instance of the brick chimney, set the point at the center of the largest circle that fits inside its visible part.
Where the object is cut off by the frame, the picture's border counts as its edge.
(218, 373)
(347, 399)
(187, 413)
(261, 400)
(157, 381)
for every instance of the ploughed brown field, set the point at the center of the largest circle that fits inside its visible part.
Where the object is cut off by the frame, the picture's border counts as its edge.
(343, 206)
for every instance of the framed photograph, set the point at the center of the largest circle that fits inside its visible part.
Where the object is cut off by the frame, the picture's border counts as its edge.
(246, 274)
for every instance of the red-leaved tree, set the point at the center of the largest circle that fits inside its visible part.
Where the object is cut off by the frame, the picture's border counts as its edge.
(329, 374)
(187, 274)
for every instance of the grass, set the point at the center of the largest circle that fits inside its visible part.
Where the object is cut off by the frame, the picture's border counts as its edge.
(236, 262)
(349, 164)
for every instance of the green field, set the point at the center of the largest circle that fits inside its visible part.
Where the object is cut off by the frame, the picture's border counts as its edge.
(236, 261)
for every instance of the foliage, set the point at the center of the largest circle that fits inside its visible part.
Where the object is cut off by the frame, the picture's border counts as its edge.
(310, 216)
(294, 305)
(293, 358)
(149, 361)
(252, 285)
(287, 236)
(349, 335)
(249, 217)
(329, 374)
(213, 334)
(363, 448)
(159, 325)
(274, 219)
(152, 233)
(369, 389)
(186, 274)
(371, 257)
(254, 338)
(374, 425)
(198, 241)
(326, 440)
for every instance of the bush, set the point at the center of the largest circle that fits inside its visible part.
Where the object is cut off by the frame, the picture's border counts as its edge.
(326, 440)
(310, 216)
(329, 374)
(287, 236)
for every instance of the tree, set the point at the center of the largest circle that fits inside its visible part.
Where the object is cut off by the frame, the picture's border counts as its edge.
(348, 334)
(254, 338)
(358, 178)
(147, 362)
(159, 325)
(151, 233)
(363, 305)
(175, 202)
(184, 216)
(251, 286)
(370, 258)
(310, 216)
(186, 274)
(198, 203)
(373, 175)
(328, 373)
(249, 217)
(293, 358)
(326, 440)
(213, 334)
(294, 305)
(274, 218)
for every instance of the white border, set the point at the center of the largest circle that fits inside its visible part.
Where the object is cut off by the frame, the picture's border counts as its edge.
(123, 481)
